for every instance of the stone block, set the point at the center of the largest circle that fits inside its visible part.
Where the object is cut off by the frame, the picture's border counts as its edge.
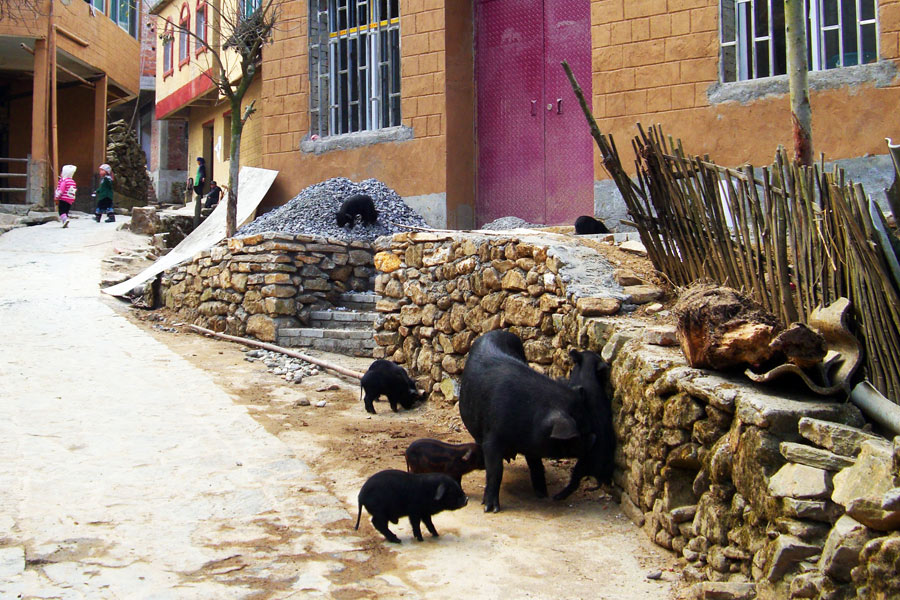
(842, 548)
(627, 278)
(598, 307)
(721, 590)
(816, 510)
(266, 328)
(513, 281)
(387, 262)
(814, 457)
(840, 438)
(144, 220)
(643, 294)
(784, 553)
(278, 291)
(781, 413)
(870, 477)
(800, 481)
(661, 336)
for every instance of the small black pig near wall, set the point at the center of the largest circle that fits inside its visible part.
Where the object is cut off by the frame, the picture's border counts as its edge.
(391, 494)
(591, 373)
(512, 409)
(585, 225)
(361, 205)
(388, 378)
(433, 456)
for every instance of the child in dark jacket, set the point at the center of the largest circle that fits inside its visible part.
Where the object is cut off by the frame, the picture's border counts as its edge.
(65, 193)
(104, 195)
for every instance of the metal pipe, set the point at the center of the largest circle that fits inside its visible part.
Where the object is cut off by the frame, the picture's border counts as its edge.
(875, 406)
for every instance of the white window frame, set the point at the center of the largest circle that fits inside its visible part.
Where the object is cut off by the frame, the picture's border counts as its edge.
(746, 34)
(333, 110)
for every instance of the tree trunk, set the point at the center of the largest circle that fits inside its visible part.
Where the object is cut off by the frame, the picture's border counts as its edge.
(798, 78)
(234, 167)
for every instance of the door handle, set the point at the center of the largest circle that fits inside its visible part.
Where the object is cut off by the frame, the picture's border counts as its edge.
(533, 108)
(559, 106)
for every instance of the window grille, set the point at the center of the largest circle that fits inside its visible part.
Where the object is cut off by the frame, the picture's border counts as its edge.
(354, 65)
(840, 33)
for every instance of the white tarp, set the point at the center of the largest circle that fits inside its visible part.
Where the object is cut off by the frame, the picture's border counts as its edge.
(254, 183)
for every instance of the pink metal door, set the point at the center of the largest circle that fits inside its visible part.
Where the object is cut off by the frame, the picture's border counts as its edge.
(510, 123)
(568, 146)
(535, 157)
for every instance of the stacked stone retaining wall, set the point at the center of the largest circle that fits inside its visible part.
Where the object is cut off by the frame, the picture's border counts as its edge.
(260, 284)
(744, 483)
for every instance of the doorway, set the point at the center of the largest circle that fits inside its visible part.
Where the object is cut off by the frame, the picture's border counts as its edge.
(535, 154)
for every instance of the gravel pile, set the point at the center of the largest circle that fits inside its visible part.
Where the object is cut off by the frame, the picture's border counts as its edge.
(312, 212)
(291, 369)
(509, 223)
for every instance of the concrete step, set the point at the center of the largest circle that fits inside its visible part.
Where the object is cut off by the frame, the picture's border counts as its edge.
(357, 301)
(355, 342)
(341, 319)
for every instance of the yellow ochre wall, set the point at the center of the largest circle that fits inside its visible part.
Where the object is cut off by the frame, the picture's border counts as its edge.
(413, 167)
(654, 62)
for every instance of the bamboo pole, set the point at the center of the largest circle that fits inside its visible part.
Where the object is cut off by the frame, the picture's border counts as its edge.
(798, 80)
(248, 342)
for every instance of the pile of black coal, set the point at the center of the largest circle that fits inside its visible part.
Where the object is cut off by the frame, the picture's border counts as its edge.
(313, 210)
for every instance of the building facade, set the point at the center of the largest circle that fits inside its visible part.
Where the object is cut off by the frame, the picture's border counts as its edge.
(62, 66)
(465, 110)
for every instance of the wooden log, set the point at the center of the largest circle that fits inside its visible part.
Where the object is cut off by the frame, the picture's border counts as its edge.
(266, 346)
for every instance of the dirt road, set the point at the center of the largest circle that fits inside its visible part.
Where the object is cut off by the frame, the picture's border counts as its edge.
(141, 459)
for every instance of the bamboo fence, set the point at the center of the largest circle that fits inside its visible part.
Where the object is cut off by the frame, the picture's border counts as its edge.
(794, 238)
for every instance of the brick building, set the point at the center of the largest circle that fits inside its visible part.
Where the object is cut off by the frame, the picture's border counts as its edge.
(464, 109)
(73, 60)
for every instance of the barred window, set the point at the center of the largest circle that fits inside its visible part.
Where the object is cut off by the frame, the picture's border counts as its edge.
(840, 33)
(184, 40)
(248, 7)
(354, 65)
(168, 41)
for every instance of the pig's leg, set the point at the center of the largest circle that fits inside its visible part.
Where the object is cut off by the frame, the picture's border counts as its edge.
(427, 520)
(381, 524)
(493, 463)
(417, 531)
(369, 401)
(392, 399)
(538, 481)
(579, 471)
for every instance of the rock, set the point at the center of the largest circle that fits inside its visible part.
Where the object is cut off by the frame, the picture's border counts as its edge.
(784, 553)
(870, 514)
(781, 413)
(615, 343)
(513, 281)
(642, 294)
(632, 511)
(807, 531)
(817, 510)
(800, 481)
(321, 404)
(654, 575)
(625, 278)
(634, 247)
(387, 262)
(801, 345)
(654, 308)
(598, 307)
(814, 457)
(303, 402)
(144, 220)
(661, 336)
(681, 411)
(842, 548)
(869, 478)
(266, 328)
(876, 575)
(722, 590)
(891, 499)
(840, 439)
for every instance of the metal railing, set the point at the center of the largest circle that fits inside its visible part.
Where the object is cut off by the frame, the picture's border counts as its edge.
(6, 175)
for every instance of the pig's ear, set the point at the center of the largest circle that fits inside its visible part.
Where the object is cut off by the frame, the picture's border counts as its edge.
(575, 355)
(603, 370)
(563, 429)
(440, 492)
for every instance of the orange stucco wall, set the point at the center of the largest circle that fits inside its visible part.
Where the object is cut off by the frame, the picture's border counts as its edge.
(412, 167)
(654, 62)
(109, 48)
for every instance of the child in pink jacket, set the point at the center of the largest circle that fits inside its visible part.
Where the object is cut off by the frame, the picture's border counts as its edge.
(65, 193)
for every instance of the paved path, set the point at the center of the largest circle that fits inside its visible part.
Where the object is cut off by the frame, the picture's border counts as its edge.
(125, 471)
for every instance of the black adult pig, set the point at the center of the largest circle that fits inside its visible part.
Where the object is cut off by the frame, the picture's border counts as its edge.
(591, 373)
(512, 409)
(388, 378)
(391, 494)
(585, 225)
(434, 456)
(361, 205)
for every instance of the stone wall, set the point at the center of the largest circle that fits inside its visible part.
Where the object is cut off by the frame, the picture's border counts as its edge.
(761, 493)
(259, 284)
(441, 291)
